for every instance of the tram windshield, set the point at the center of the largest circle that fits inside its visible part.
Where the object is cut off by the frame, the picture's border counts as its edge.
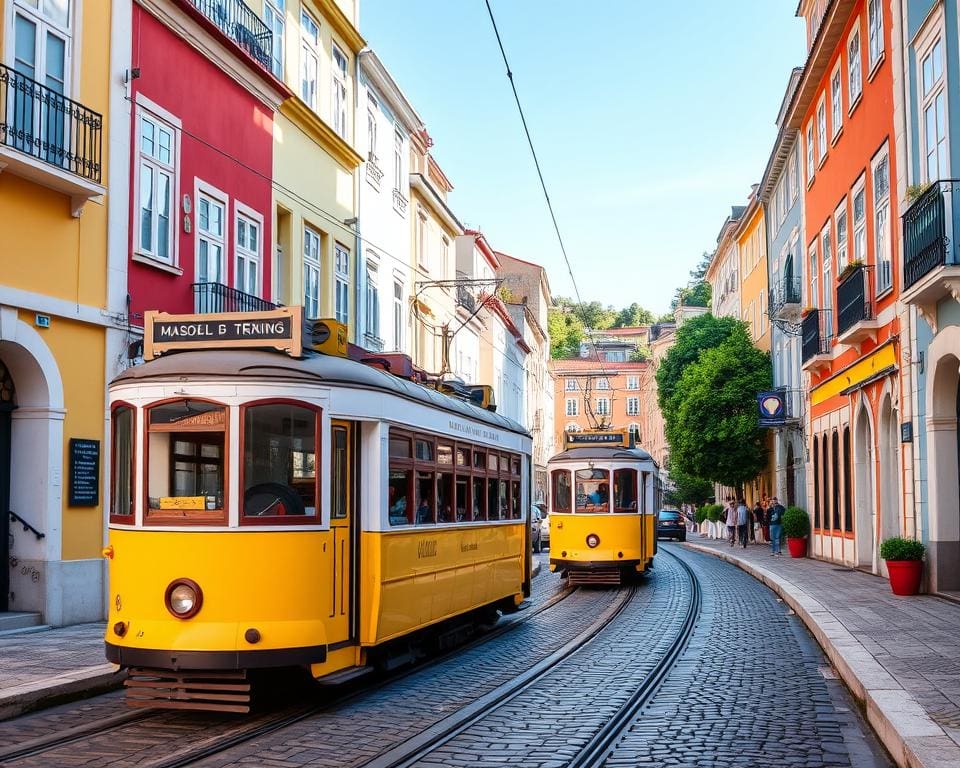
(625, 490)
(593, 490)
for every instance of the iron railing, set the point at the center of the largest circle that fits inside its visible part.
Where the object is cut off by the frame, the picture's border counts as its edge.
(372, 342)
(465, 299)
(26, 526)
(44, 124)
(927, 228)
(854, 299)
(399, 201)
(209, 298)
(238, 22)
(813, 340)
(788, 290)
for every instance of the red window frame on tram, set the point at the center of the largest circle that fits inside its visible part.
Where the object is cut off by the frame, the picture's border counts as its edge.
(555, 476)
(116, 517)
(304, 519)
(617, 473)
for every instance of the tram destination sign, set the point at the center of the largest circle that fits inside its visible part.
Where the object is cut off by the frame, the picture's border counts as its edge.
(279, 329)
(617, 438)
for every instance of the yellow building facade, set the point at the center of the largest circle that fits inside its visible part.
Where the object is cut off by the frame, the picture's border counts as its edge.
(751, 241)
(62, 303)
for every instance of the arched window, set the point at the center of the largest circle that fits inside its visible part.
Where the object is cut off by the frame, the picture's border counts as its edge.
(835, 495)
(816, 483)
(847, 481)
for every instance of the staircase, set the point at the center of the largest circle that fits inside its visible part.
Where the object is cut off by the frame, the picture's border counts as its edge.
(12, 621)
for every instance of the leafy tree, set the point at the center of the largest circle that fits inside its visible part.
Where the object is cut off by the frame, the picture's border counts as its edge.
(696, 293)
(714, 430)
(633, 315)
(565, 331)
(687, 489)
(666, 317)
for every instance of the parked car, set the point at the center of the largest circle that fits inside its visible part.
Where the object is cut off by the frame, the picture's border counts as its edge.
(544, 526)
(671, 525)
(535, 520)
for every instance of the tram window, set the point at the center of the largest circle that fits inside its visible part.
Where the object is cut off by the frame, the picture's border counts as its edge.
(445, 498)
(424, 450)
(339, 473)
(399, 510)
(504, 500)
(399, 447)
(479, 499)
(463, 457)
(462, 500)
(516, 508)
(492, 462)
(493, 498)
(425, 492)
(625, 490)
(504, 463)
(561, 490)
(593, 490)
(185, 460)
(479, 460)
(515, 465)
(280, 461)
(122, 420)
(445, 454)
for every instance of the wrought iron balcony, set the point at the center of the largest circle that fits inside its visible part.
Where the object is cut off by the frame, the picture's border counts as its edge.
(372, 342)
(374, 173)
(815, 342)
(785, 298)
(238, 22)
(39, 124)
(399, 201)
(466, 299)
(211, 298)
(856, 313)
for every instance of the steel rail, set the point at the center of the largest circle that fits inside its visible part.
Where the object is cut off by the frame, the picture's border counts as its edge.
(70, 735)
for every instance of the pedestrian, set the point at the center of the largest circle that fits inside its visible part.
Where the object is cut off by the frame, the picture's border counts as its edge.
(743, 522)
(731, 521)
(756, 530)
(775, 517)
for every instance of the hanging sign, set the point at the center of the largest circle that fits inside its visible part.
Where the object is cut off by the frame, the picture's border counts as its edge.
(278, 329)
(84, 473)
(772, 409)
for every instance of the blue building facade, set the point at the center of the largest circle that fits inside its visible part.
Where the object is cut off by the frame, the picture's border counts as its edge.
(929, 114)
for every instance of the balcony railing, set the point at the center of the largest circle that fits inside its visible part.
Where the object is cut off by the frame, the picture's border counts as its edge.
(854, 299)
(928, 226)
(374, 173)
(240, 24)
(399, 201)
(372, 342)
(465, 299)
(785, 297)
(210, 298)
(44, 124)
(813, 341)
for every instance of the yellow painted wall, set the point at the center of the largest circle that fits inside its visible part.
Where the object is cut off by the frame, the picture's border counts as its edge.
(752, 247)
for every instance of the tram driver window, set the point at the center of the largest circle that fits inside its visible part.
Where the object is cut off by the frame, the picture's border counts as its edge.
(122, 420)
(400, 510)
(625, 490)
(593, 490)
(279, 461)
(561, 490)
(185, 460)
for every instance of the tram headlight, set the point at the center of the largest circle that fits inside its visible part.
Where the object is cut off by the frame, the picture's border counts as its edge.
(184, 598)
(593, 541)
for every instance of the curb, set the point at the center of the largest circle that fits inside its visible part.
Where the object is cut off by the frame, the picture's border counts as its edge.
(911, 737)
(20, 699)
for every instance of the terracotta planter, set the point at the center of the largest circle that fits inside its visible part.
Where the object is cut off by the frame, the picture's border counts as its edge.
(905, 576)
(797, 547)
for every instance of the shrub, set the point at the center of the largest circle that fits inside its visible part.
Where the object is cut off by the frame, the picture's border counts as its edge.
(702, 513)
(715, 515)
(899, 548)
(796, 523)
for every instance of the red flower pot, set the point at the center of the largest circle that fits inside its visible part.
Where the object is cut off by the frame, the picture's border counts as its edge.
(797, 547)
(905, 576)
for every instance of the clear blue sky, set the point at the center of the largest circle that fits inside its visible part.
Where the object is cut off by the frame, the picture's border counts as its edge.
(651, 118)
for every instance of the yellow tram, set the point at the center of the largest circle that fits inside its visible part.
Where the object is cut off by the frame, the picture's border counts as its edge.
(605, 493)
(274, 509)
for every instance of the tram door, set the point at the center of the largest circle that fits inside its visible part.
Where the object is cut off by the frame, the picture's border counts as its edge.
(342, 495)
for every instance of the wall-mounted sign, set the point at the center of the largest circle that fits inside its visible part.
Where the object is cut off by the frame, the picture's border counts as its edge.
(617, 438)
(84, 473)
(278, 329)
(772, 409)
(906, 432)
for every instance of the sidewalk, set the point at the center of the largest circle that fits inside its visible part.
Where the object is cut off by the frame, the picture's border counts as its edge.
(40, 668)
(900, 656)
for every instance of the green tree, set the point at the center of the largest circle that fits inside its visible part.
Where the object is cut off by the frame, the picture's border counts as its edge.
(565, 331)
(633, 315)
(714, 429)
(687, 489)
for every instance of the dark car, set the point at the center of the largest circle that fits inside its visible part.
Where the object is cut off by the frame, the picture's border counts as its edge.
(536, 518)
(671, 525)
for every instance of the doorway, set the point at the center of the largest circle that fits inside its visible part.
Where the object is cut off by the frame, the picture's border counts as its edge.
(7, 405)
(344, 465)
(791, 477)
(864, 494)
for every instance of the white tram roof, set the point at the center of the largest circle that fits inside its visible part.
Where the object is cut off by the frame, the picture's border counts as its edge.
(312, 368)
(602, 453)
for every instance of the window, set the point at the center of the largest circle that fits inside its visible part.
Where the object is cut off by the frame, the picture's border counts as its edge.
(635, 433)
(840, 220)
(421, 239)
(309, 59)
(397, 316)
(821, 130)
(373, 301)
(211, 231)
(445, 256)
(847, 482)
(633, 406)
(338, 99)
(794, 173)
(810, 157)
(633, 382)
(836, 102)
(280, 450)
(835, 484)
(603, 384)
(123, 432)
(573, 406)
(854, 67)
(781, 214)
(311, 273)
(826, 252)
(816, 484)
(397, 160)
(934, 110)
(341, 284)
(157, 185)
(881, 221)
(625, 490)
(570, 385)
(814, 275)
(339, 473)
(185, 461)
(247, 274)
(603, 406)
(859, 223)
(874, 31)
(561, 490)
(273, 13)
(593, 490)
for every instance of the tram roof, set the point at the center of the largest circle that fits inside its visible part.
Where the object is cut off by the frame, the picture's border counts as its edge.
(602, 453)
(313, 368)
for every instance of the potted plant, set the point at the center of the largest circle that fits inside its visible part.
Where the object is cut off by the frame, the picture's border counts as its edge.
(807, 310)
(714, 515)
(904, 564)
(796, 527)
(849, 269)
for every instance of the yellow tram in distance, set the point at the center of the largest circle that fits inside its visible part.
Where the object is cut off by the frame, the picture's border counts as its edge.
(275, 507)
(605, 494)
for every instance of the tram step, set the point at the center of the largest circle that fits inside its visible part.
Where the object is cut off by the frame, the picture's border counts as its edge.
(344, 675)
(599, 576)
(197, 690)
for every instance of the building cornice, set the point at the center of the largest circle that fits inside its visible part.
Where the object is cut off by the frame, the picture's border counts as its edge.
(388, 89)
(341, 24)
(420, 184)
(329, 140)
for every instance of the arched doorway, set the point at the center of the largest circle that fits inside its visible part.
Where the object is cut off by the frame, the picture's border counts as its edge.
(864, 495)
(889, 476)
(8, 402)
(791, 477)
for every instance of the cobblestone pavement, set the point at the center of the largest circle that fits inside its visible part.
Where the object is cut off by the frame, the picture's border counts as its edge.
(752, 689)
(28, 657)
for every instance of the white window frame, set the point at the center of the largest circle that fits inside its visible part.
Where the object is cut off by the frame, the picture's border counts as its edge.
(339, 92)
(372, 296)
(633, 406)
(309, 49)
(422, 260)
(633, 382)
(570, 385)
(811, 153)
(841, 223)
(821, 129)
(875, 41)
(397, 159)
(634, 430)
(571, 427)
(882, 226)
(277, 10)
(44, 24)
(859, 228)
(373, 107)
(218, 196)
(827, 272)
(603, 384)
(603, 406)
(836, 101)
(241, 211)
(312, 266)
(572, 406)
(854, 68)
(795, 167)
(813, 263)
(341, 283)
(929, 38)
(398, 314)
(157, 114)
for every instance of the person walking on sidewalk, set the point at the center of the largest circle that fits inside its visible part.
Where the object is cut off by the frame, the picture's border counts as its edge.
(731, 521)
(743, 522)
(756, 529)
(775, 515)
